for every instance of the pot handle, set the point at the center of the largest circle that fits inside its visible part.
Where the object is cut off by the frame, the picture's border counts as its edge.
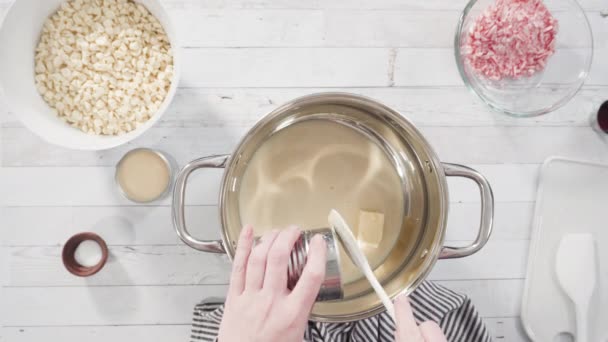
(178, 209)
(487, 212)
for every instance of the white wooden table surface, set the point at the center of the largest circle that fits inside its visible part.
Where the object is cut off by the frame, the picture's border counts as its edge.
(242, 58)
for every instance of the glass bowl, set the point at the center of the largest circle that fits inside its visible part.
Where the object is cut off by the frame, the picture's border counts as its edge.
(19, 35)
(547, 89)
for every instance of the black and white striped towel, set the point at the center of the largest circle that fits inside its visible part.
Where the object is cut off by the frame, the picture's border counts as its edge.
(454, 312)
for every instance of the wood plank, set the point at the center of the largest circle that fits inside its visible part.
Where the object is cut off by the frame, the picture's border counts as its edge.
(88, 186)
(117, 225)
(440, 5)
(203, 27)
(451, 106)
(182, 265)
(260, 67)
(326, 28)
(227, 27)
(343, 4)
(183, 144)
(499, 259)
(390, 28)
(322, 4)
(124, 305)
(4, 267)
(328, 67)
(512, 221)
(127, 266)
(313, 28)
(465, 145)
(419, 29)
(3, 11)
(99, 333)
(333, 67)
(150, 225)
(503, 329)
(510, 183)
(29, 186)
(426, 67)
(488, 145)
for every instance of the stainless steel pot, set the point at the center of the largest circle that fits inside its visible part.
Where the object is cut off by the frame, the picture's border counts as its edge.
(424, 185)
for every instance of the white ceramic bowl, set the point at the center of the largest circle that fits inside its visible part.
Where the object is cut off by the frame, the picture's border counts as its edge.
(19, 36)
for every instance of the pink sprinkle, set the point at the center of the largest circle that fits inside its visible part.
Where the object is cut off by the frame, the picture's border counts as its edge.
(511, 39)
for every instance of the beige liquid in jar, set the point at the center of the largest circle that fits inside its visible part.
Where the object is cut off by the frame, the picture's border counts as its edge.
(143, 175)
(303, 171)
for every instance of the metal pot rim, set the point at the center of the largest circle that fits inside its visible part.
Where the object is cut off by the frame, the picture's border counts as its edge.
(340, 98)
(432, 167)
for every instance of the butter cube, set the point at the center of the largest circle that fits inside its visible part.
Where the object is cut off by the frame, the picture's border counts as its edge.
(370, 228)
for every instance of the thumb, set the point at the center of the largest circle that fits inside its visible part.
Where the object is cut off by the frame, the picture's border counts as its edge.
(307, 288)
(406, 329)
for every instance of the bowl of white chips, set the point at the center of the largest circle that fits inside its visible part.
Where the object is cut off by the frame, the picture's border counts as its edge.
(88, 74)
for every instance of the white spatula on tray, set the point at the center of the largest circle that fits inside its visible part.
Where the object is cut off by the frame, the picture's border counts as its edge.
(575, 267)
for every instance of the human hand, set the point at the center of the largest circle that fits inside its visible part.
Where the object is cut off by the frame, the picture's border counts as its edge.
(259, 306)
(408, 331)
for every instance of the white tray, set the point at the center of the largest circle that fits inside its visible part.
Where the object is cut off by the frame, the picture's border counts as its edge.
(572, 198)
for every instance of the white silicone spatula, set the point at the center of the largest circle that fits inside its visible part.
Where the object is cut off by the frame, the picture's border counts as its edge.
(575, 269)
(354, 252)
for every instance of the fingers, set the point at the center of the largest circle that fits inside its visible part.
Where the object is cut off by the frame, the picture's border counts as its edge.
(307, 288)
(278, 258)
(431, 332)
(239, 266)
(406, 328)
(256, 266)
